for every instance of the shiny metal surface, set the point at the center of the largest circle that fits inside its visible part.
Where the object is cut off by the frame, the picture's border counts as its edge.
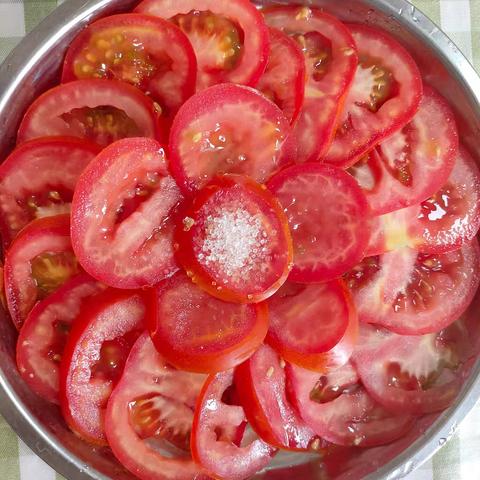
(34, 65)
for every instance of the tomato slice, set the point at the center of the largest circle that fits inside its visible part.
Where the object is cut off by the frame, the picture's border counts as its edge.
(415, 293)
(230, 39)
(152, 406)
(121, 226)
(412, 374)
(284, 82)
(222, 459)
(228, 129)
(39, 261)
(294, 309)
(94, 357)
(331, 59)
(147, 52)
(260, 382)
(95, 109)
(37, 180)
(233, 240)
(327, 213)
(198, 333)
(384, 96)
(44, 334)
(339, 409)
(415, 162)
(447, 220)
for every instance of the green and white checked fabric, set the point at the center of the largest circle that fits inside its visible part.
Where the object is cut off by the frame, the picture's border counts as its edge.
(459, 459)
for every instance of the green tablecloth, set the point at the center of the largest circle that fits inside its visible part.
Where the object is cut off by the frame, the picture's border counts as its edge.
(460, 457)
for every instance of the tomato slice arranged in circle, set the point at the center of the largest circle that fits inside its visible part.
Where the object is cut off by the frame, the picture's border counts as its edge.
(37, 180)
(228, 129)
(415, 293)
(121, 226)
(331, 233)
(413, 163)
(44, 334)
(108, 324)
(339, 409)
(98, 110)
(384, 96)
(147, 52)
(331, 59)
(329, 309)
(284, 82)
(149, 408)
(198, 333)
(39, 261)
(223, 459)
(230, 40)
(260, 382)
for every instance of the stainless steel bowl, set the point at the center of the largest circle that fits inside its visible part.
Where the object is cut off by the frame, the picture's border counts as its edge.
(34, 66)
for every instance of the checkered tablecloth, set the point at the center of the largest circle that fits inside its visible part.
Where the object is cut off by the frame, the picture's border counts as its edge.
(459, 459)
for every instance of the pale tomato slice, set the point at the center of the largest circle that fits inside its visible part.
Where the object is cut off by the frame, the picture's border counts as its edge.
(328, 217)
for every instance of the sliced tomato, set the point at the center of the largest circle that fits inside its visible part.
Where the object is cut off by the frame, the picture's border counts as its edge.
(412, 374)
(198, 333)
(349, 416)
(233, 240)
(328, 217)
(147, 52)
(413, 163)
(415, 293)
(314, 326)
(284, 80)
(447, 220)
(44, 334)
(230, 39)
(150, 407)
(39, 261)
(38, 178)
(94, 357)
(98, 110)
(384, 96)
(222, 459)
(121, 226)
(228, 129)
(331, 59)
(260, 382)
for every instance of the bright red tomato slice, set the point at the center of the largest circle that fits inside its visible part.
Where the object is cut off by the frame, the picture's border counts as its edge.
(233, 240)
(230, 39)
(447, 220)
(147, 52)
(94, 357)
(329, 308)
(38, 262)
(228, 129)
(384, 96)
(331, 59)
(414, 162)
(327, 213)
(152, 406)
(414, 293)
(284, 81)
(222, 459)
(339, 409)
(121, 226)
(44, 334)
(98, 110)
(260, 382)
(37, 180)
(411, 374)
(198, 333)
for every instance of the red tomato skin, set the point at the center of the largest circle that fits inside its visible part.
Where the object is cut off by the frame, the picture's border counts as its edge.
(210, 362)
